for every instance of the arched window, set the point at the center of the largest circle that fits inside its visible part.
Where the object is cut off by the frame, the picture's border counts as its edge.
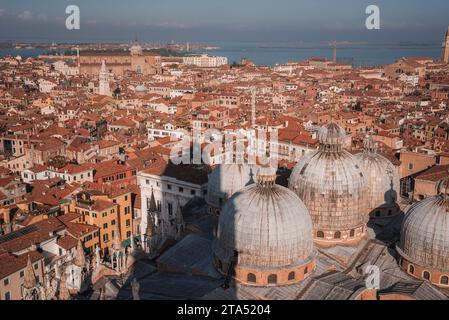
(251, 278)
(444, 280)
(426, 275)
(352, 233)
(291, 276)
(306, 270)
(411, 269)
(272, 279)
(320, 234)
(337, 235)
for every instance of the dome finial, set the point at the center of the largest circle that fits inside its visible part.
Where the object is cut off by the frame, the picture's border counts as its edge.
(266, 176)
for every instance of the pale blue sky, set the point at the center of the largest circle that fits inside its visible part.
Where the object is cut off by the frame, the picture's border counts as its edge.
(227, 20)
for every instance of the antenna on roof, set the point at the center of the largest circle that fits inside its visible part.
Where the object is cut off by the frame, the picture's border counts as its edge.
(253, 107)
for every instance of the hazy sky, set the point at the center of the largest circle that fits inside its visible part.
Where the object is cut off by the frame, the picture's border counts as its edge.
(226, 20)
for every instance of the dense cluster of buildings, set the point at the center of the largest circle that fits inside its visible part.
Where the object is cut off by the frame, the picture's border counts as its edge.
(92, 205)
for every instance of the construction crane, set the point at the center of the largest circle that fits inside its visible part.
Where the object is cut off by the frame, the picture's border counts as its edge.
(334, 45)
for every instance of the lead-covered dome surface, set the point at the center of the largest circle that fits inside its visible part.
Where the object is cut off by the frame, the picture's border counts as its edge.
(331, 184)
(381, 176)
(267, 225)
(425, 233)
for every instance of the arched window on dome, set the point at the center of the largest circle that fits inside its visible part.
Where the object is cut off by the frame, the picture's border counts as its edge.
(444, 280)
(291, 276)
(272, 279)
(352, 233)
(426, 275)
(251, 278)
(320, 234)
(337, 235)
(411, 269)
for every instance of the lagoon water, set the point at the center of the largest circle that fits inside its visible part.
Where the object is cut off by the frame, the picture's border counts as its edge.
(359, 54)
(271, 53)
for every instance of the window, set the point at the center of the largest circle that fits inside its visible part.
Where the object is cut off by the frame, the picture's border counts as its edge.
(291, 276)
(170, 208)
(411, 269)
(105, 225)
(272, 279)
(444, 280)
(36, 266)
(7, 295)
(411, 166)
(181, 189)
(169, 186)
(128, 222)
(306, 270)
(337, 235)
(22, 274)
(320, 234)
(126, 198)
(6, 281)
(426, 275)
(105, 237)
(251, 278)
(352, 233)
(112, 222)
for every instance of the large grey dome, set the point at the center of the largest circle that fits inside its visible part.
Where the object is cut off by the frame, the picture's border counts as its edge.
(382, 180)
(225, 180)
(425, 234)
(332, 185)
(269, 227)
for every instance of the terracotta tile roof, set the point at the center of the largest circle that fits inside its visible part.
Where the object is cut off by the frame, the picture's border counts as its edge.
(187, 173)
(67, 242)
(10, 263)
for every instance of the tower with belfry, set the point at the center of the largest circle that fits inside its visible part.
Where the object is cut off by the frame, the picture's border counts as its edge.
(445, 52)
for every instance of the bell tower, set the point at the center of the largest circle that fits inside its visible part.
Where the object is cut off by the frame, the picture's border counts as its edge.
(445, 51)
(104, 89)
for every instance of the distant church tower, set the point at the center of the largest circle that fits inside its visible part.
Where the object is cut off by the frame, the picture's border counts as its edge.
(445, 53)
(104, 89)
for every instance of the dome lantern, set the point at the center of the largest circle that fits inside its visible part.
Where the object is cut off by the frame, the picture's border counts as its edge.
(369, 145)
(331, 138)
(266, 176)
